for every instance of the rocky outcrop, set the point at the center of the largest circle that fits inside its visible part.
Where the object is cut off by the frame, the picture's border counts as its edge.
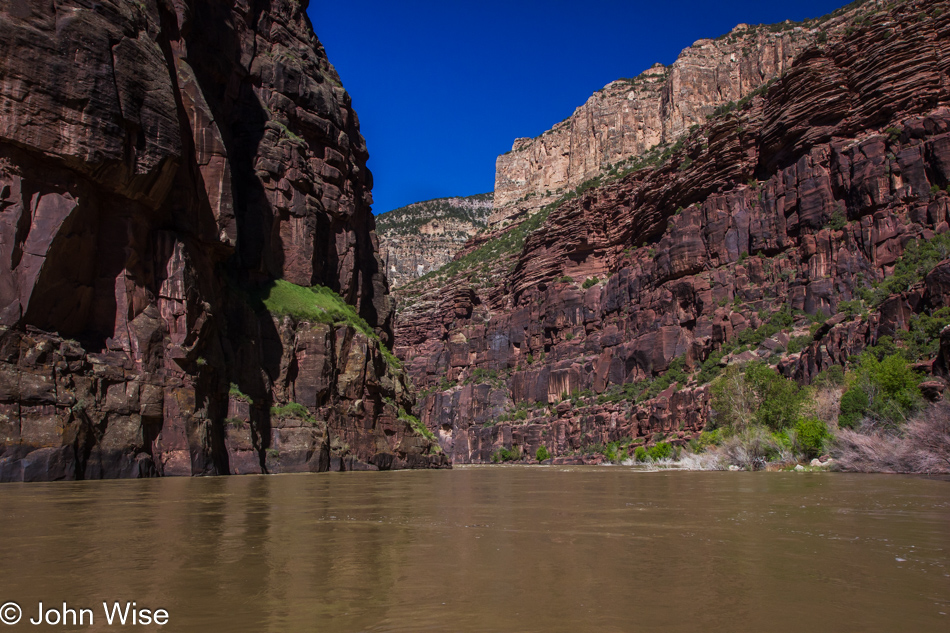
(593, 326)
(627, 118)
(424, 236)
(161, 163)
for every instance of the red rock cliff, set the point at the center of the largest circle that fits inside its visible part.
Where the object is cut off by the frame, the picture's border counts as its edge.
(160, 161)
(801, 198)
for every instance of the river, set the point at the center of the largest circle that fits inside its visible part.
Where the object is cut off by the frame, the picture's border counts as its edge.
(487, 549)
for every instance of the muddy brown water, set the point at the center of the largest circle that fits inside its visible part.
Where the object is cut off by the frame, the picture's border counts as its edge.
(487, 549)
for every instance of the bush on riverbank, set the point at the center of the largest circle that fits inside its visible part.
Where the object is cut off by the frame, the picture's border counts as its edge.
(761, 418)
(885, 426)
(882, 393)
(755, 395)
(810, 437)
(506, 455)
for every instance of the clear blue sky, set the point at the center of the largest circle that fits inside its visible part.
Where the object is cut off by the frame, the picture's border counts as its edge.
(442, 88)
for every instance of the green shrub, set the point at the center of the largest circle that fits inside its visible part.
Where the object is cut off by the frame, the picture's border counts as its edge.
(781, 442)
(889, 388)
(590, 282)
(707, 439)
(640, 454)
(810, 436)
(922, 340)
(566, 279)
(798, 343)
(630, 391)
(616, 452)
(662, 450)
(838, 220)
(675, 373)
(506, 455)
(724, 109)
(756, 394)
(854, 404)
(783, 318)
(710, 368)
(542, 454)
(892, 387)
(831, 377)
(779, 398)
(851, 309)
(919, 258)
(884, 347)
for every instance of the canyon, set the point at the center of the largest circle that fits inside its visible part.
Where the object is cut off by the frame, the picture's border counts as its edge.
(193, 282)
(175, 175)
(761, 233)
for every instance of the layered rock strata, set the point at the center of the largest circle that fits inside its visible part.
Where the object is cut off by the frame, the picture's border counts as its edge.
(162, 162)
(792, 204)
(424, 236)
(628, 117)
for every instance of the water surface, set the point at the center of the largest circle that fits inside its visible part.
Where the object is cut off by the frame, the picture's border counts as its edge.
(489, 549)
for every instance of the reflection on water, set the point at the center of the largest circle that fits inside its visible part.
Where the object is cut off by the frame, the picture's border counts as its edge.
(490, 549)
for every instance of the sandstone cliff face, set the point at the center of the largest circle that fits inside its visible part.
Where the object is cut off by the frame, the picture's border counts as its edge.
(630, 116)
(160, 162)
(423, 236)
(801, 198)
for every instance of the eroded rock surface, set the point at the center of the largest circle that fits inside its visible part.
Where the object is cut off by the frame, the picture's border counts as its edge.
(160, 159)
(424, 236)
(797, 201)
(628, 117)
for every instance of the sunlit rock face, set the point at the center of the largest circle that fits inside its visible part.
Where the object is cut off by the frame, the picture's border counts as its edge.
(158, 160)
(628, 117)
(424, 236)
(794, 202)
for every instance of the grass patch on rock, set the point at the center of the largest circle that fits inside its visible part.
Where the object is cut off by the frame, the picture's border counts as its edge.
(320, 304)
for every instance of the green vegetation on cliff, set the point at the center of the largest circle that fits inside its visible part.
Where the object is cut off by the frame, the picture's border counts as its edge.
(320, 304)
(918, 259)
(504, 245)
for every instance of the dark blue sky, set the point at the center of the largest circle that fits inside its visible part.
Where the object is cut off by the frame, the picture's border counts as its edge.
(442, 88)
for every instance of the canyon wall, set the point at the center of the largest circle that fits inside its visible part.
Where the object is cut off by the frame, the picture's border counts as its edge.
(598, 320)
(628, 117)
(424, 236)
(162, 164)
